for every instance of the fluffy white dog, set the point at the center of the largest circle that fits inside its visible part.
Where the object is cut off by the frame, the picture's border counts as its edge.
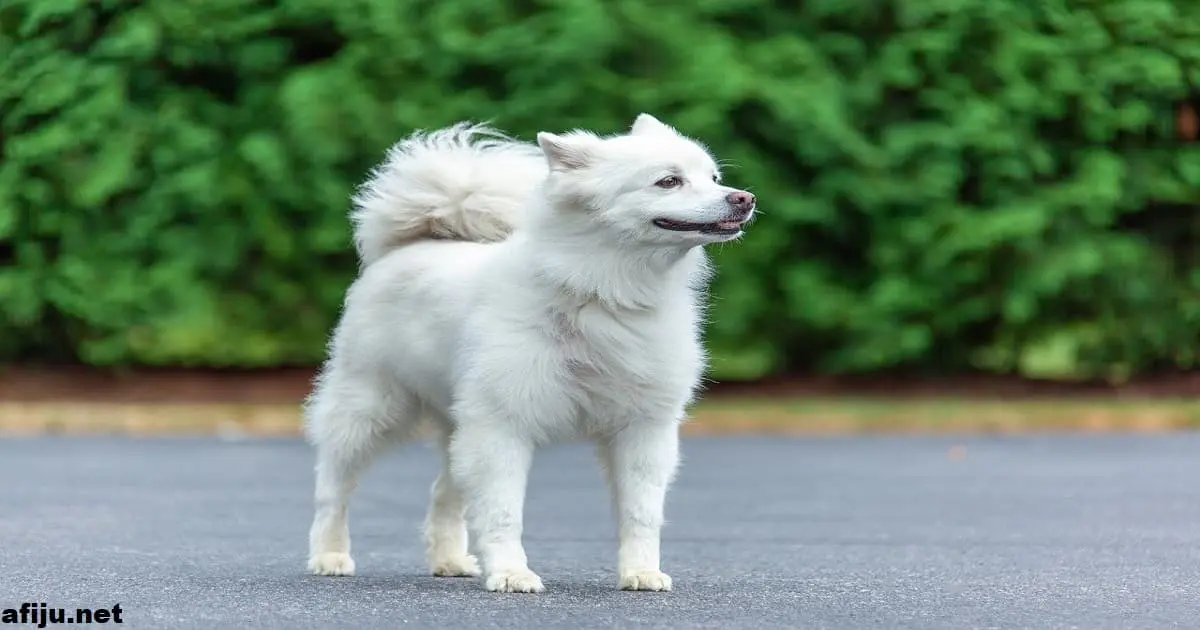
(512, 296)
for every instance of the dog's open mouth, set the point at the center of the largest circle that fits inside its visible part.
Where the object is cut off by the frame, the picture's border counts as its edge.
(731, 226)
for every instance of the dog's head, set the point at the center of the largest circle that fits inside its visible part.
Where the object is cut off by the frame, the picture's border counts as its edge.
(652, 185)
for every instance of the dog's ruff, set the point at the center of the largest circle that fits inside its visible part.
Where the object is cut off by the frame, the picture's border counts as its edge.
(512, 296)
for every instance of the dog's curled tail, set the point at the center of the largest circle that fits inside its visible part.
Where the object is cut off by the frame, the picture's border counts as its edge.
(466, 182)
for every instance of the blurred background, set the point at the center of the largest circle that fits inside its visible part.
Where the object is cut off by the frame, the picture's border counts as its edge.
(983, 200)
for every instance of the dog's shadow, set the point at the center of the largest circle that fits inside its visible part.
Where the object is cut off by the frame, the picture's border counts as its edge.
(413, 588)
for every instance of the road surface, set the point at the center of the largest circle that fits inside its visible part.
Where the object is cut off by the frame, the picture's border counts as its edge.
(980, 532)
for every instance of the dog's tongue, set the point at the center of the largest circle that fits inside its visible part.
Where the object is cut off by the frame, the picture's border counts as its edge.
(728, 225)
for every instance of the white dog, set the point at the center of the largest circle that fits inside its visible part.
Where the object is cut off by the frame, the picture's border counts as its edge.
(512, 296)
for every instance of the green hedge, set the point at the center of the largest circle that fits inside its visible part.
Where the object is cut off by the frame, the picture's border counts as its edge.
(946, 185)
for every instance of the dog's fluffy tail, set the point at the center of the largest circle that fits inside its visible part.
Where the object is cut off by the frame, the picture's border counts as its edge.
(465, 182)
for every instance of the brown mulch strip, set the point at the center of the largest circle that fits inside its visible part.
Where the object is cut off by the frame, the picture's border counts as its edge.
(76, 400)
(74, 383)
(165, 402)
(814, 417)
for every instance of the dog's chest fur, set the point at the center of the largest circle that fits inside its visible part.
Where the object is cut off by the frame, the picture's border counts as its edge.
(627, 365)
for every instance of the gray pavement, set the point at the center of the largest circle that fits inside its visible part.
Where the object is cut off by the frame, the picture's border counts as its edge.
(1020, 532)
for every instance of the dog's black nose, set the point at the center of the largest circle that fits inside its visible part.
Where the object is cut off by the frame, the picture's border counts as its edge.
(741, 200)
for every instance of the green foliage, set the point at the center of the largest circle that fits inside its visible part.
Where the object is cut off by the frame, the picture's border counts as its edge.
(946, 185)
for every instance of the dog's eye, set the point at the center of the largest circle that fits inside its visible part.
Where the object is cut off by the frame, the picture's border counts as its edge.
(669, 182)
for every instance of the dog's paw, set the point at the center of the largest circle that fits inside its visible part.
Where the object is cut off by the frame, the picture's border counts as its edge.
(332, 563)
(645, 581)
(515, 581)
(462, 566)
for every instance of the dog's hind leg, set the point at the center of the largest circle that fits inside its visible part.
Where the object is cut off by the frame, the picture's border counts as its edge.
(445, 524)
(348, 426)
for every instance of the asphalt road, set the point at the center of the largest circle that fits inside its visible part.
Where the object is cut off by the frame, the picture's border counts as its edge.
(1029, 532)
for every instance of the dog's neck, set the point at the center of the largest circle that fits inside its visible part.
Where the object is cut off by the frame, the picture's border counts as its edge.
(582, 266)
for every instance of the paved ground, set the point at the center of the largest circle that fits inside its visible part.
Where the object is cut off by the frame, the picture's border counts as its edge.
(1031, 532)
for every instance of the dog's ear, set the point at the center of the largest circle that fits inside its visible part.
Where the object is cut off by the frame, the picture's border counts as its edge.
(645, 124)
(566, 152)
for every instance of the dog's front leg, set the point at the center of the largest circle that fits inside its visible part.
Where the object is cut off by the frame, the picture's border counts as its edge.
(640, 462)
(491, 465)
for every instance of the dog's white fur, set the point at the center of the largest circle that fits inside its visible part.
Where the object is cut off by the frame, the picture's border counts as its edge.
(513, 296)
